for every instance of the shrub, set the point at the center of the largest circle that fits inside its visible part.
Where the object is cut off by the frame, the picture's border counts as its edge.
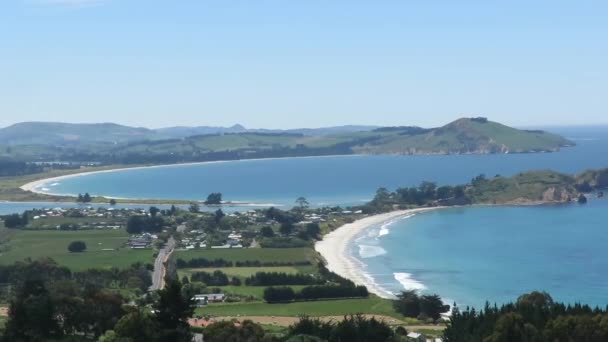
(77, 246)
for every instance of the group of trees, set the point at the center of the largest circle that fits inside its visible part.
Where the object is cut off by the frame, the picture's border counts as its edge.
(534, 317)
(281, 278)
(287, 294)
(16, 220)
(411, 304)
(136, 276)
(86, 198)
(217, 278)
(220, 262)
(10, 168)
(50, 303)
(356, 328)
(214, 198)
(426, 194)
(138, 224)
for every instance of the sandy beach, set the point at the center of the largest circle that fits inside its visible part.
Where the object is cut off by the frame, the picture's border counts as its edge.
(35, 185)
(334, 248)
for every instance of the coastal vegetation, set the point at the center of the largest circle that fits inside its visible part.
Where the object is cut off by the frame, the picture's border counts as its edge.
(533, 317)
(532, 187)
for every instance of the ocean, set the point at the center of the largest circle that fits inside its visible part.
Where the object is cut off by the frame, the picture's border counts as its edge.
(342, 180)
(470, 255)
(467, 255)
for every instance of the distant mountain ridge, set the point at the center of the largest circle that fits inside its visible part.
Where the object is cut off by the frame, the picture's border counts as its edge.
(33, 133)
(115, 144)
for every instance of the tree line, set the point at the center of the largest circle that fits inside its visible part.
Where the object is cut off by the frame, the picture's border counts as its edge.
(217, 278)
(534, 317)
(220, 262)
(285, 294)
(281, 278)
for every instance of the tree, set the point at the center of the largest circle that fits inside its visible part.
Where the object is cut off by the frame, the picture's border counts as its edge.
(218, 216)
(267, 231)
(512, 327)
(408, 303)
(432, 306)
(302, 203)
(25, 218)
(171, 313)
(80, 198)
(194, 207)
(86, 198)
(214, 198)
(31, 314)
(153, 211)
(77, 246)
(137, 326)
(112, 202)
(135, 225)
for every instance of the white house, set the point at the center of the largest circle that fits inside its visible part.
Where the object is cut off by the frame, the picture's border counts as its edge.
(416, 337)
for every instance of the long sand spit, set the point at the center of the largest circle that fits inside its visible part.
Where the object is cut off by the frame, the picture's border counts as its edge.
(334, 248)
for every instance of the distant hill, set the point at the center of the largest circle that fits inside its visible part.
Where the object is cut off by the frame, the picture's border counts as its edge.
(466, 135)
(115, 144)
(56, 133)
(33, 133)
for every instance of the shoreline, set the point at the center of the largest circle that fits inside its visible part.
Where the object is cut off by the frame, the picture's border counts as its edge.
(334, 248)
(34, 185)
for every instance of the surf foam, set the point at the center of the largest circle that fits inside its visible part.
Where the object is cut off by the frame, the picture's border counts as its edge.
(409, 283)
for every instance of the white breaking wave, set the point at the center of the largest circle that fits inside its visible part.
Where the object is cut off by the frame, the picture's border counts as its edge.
(54, 184)
(45, 189)
(384, 228)
(368, 251)
(408, 282)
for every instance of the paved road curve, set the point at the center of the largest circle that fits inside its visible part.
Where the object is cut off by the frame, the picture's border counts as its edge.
(158, 277)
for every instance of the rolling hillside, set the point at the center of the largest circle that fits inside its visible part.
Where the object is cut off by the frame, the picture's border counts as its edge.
(109, 143)
(55, 133)
(467, 135)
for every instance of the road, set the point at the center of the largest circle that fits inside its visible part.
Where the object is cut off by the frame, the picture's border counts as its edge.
(158, 276)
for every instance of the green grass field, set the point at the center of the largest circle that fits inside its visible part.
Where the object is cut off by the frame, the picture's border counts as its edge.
(19, 245)
(372, 305)
(244, 254)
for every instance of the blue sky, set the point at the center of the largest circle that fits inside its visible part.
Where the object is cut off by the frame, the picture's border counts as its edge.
(285, 64)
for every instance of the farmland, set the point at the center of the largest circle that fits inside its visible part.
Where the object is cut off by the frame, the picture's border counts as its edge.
(18, 245)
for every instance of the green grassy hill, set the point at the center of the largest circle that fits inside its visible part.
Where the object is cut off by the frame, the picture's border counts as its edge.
(50, 133)
(142, 146)
(467, 135)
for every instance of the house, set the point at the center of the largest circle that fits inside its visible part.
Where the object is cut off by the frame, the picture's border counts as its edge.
(414, 336)
(204, 299)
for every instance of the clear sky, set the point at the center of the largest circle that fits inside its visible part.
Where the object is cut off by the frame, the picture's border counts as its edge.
(303, 63)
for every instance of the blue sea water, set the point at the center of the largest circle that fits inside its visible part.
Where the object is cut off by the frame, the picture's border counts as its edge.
(340, 180)
(466, 255)
(470, 255)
